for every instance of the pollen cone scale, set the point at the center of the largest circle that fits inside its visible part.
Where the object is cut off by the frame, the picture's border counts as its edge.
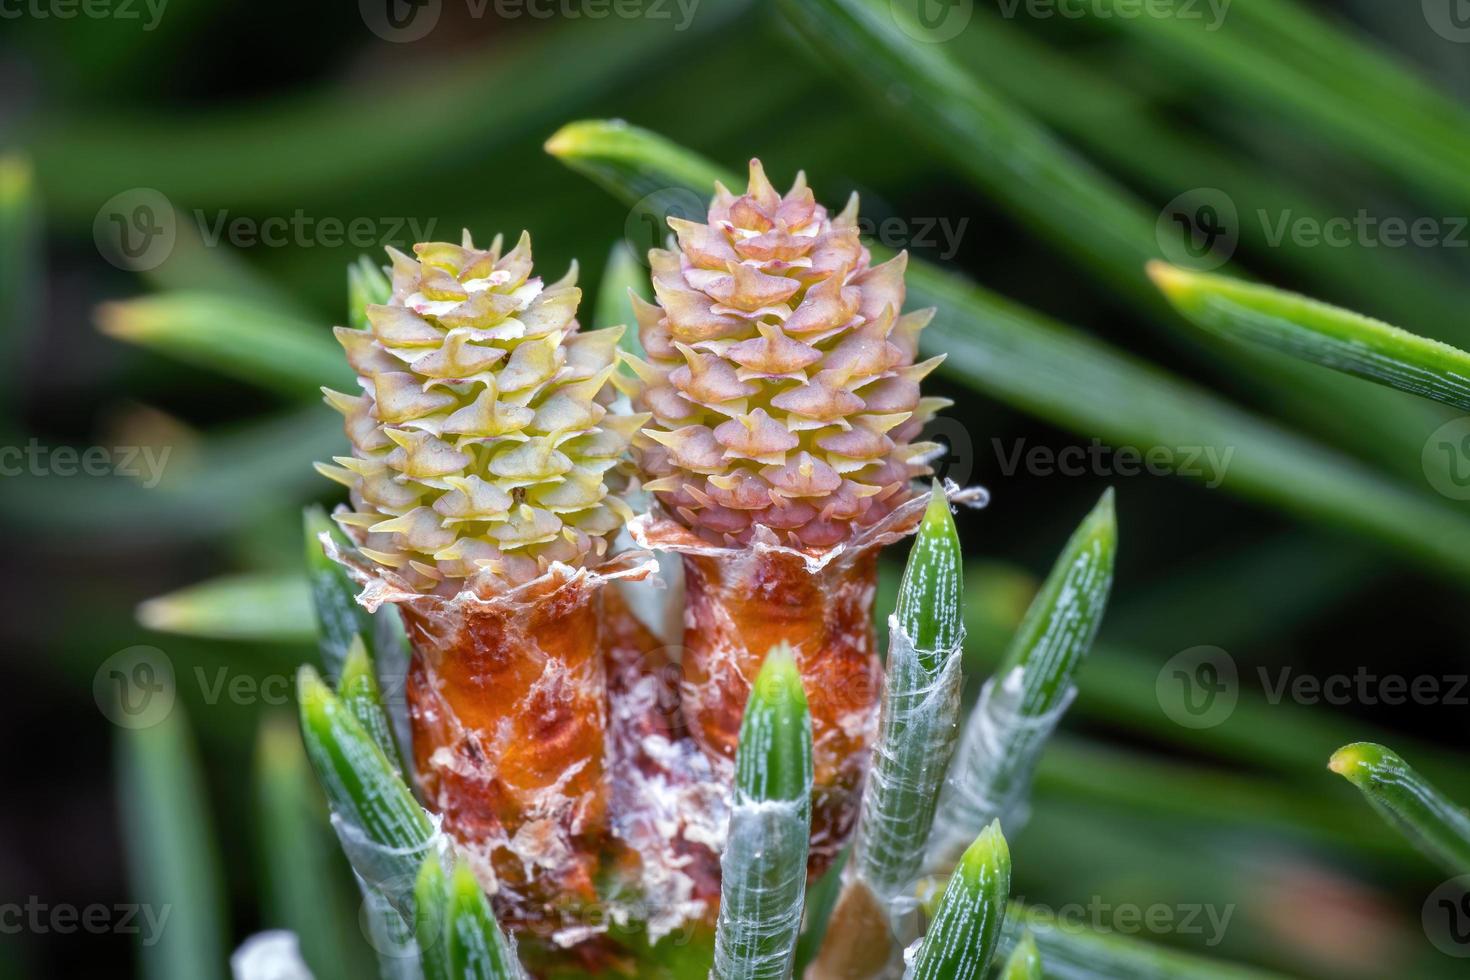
(483, 484)
(785, 408)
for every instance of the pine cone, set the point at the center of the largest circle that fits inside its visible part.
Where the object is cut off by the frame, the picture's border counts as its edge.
(781, 375)
(482, 454)
(784, 399)
(481, 441)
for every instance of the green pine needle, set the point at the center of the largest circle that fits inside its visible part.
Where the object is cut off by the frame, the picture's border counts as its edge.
(431, 919)
(1024, 962)
(238, 337)
(360, 782)
(763, 868)
(1007, 731)
(774, 760)
(358, 689)
(339, 618)
(1063, 619)
(366, 285)
(929, 597)
(478, 950)
(1314, 331)
(1422, 813)
(262, 607)
(965, 933)
(918, 718)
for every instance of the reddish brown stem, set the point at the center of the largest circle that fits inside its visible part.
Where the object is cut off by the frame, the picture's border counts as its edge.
(507, 702)
(738, 608)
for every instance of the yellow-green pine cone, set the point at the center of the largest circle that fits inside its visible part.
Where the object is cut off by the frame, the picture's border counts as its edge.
(481, 442)
(781, 375)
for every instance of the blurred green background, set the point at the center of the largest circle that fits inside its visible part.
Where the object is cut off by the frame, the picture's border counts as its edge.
(195, 176)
